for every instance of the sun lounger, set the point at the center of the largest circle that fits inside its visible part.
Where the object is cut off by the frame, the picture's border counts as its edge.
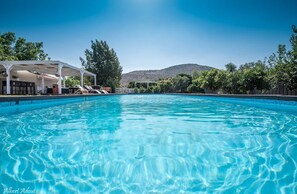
(81, 90)
(104, 91)
(91, 90)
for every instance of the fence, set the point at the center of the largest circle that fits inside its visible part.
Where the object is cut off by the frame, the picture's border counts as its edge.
(281, 90)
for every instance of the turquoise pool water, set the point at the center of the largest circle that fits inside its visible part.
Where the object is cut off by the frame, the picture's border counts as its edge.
(150, 144)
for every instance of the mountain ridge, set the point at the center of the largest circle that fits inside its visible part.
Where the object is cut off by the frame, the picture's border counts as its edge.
(153, 75)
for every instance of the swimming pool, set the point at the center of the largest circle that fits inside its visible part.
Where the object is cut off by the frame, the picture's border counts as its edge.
(150, 144)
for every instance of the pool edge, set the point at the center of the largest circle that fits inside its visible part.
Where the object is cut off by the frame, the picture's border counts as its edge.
(251, 96)
(17, 99)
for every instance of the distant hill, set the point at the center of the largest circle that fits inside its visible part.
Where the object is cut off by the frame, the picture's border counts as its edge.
(153, 75)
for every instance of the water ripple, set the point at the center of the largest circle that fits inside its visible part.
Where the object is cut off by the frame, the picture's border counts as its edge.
(150, 144)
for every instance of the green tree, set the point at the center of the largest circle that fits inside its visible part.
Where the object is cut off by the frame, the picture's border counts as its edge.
(211, 79)
(181, 82)
(140, 84)
(254, 76)
(136, 90)
(291, 68)
(284, 64)
(156, 89)
(195, 87)
(29, 50)
(103, 61)
(231, 82)
(278, 64)
(185, 75)
(196, 74)
(220, 79)
(131, 84)
(12, 48)
(72, 81)
(230, 67)
(166, 86)
(142, 90)
(7, 41)
(149, 90)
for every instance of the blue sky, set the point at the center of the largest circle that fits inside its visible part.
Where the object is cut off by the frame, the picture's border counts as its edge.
(154, 34)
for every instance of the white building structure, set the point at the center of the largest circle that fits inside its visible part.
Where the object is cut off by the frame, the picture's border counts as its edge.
(35, 76)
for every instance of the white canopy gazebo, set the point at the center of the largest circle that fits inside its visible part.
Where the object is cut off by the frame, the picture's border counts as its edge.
(43, 68)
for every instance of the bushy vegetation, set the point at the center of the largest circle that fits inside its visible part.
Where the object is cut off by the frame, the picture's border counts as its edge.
(74, 81)
(260, 76)
(103, 61)
(13, 48)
